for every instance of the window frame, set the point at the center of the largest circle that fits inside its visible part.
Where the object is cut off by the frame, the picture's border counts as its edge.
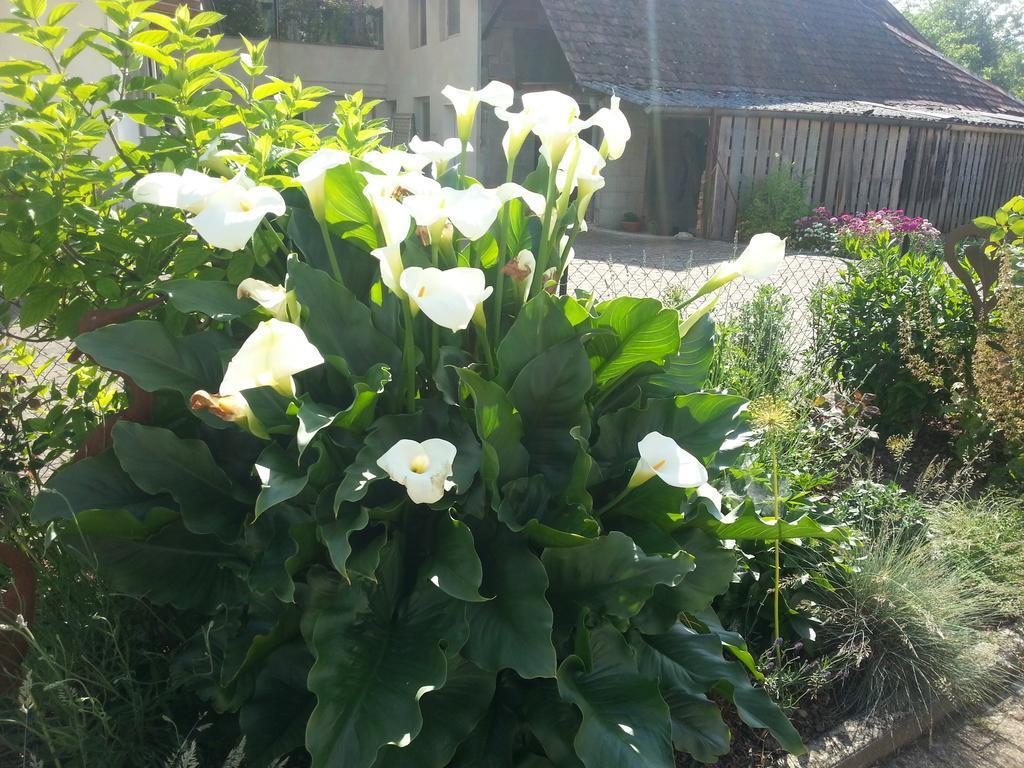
(418, 35)
(446, 18)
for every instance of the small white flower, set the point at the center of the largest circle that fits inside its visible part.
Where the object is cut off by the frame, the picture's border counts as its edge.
(615, 126)
(273, 298)
(662, 456)
(391, 267)
(425, 469)
(270, 357)
(438, 154)
(231, 214)
(534, 201)
(519, 126)
(450, 297)
(385, 194)
(495, 93)
(763, 257)
(311, 173)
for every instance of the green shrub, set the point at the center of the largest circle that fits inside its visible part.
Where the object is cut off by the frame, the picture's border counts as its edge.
(907, 628)
(982, 538)
(409, 507)
(752, 356)
(774, 205)
(899, 326)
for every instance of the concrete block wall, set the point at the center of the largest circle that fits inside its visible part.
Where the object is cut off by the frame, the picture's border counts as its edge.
(625, 178)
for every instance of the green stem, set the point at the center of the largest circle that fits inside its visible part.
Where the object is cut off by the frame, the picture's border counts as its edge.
(462, 166)
(499, 277)
(330, 251)
(409, 359)
(277, 236)
(435, 330)
(542, 256)
(778, 546)
(622, 494)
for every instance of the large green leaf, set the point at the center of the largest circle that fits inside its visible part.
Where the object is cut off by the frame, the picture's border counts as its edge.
(273, 719)
(512, 630)
(610, 575)
(540, 325)
(698, 729)
(711, 426)
(340, 326)
(281, 544)
(375, 654)
(746, 525)
(682, 659)
(550, 392)
(281, 478)
(642, 331)
(160, 462)
(453, 564)
(216, 299)
(500, 429)
(449, 716)
(687, 371)
(625, 720)
(314, 417)
(527, 505)
(347, 206)
(155, 360)
(158, 559)
(97, 482)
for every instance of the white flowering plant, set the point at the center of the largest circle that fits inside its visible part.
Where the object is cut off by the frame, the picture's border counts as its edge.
(418, 509)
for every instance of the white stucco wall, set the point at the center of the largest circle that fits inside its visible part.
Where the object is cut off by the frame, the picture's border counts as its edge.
(424, 71)
(625, 178)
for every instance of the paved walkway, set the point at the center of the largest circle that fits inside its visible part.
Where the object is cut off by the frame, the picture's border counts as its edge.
(992, 740)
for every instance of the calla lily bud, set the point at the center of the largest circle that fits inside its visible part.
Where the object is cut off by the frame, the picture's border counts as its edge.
(394, 161)
(312, 172)
(662, 456)
(615, 126)
(521, 270)
(519, 126)
(273, 298)
(495, 93)
(438, 154)
(391, 267)
(449, 298)
(760, 259)
(425, 469)
(270, 357)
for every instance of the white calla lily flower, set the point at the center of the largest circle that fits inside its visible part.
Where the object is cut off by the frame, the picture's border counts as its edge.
(450, 297)
(391, 267)
(510, 190)
(495, 93)
(311, 173)
(556, 122)
(662, 456)
(472, 211)
(270, 357)
(588, 178)
(385, 194)
(274, 298)
(231, 214)
(763, 257)
(615, 126)
(438, 154)
(425, 469)
(394, 161)
(520, 124)
(187, 191)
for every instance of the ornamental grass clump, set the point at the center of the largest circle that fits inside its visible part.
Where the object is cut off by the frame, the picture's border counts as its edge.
(414, 508)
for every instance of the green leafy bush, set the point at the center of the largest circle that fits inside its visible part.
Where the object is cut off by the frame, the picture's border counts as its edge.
(774, 205)
(411, 508)
(899, 326)
(752, 358)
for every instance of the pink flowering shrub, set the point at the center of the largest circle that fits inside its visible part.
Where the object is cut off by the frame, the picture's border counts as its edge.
(846, 234)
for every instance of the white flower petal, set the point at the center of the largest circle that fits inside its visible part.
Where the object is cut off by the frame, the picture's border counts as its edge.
(615, 126)
(763, 257)
(272, 354)
(450, 297)
(662, 456)
(273, 298)
(472, 211)
(425, 469)
(391, 267)
(311, 173)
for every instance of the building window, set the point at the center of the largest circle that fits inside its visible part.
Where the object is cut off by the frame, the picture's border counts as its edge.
(451, 17)
(418, 22)
(421, 119)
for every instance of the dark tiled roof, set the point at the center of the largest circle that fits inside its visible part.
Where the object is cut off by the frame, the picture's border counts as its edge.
(824, 56)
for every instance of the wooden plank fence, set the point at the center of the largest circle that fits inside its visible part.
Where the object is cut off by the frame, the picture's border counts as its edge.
(947, 174)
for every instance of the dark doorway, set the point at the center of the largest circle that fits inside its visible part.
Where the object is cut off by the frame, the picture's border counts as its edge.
(676, 162)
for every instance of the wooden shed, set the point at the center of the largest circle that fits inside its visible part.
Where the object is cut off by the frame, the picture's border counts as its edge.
(842, 93)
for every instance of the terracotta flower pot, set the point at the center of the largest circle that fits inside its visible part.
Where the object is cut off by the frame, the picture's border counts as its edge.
(18, 600)
(631, 226)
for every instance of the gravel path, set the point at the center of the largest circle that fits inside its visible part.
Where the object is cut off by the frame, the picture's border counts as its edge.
(992, 740)
(610, 264)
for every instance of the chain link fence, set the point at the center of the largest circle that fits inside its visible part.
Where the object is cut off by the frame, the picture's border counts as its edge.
(673, 272)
